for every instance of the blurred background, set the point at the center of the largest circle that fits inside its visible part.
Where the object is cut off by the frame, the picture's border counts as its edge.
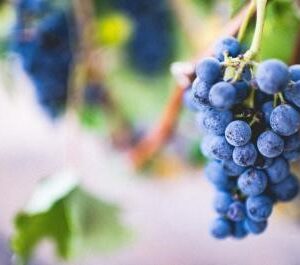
(99, 159)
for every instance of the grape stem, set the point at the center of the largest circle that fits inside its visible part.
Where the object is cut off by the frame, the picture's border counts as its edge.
(148, 146)
(260, 19)
(249, 15)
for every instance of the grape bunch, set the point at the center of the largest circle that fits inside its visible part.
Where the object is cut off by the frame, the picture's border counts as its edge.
(43, 37)
(151, 46)
(250, 114)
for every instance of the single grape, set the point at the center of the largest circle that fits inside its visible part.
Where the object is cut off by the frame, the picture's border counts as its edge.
(252, 182)
(208, 70)
(244, 155)
(292, 142)
(216, 175)
(267, 109)
(278, 171)
(259, 208)
(239, 230)
(221, 228)
(222, 95)
(295, 72)
(272, 76)
(255, 227)
(236, 211)
(200, 92)
(285, 120)
(270, 144)
(231, 168)
(218, 148)
(292, 156)
(286, 190)
(292, 94)
(238, 133)
(229, 45)
(222, 202)
(215, 121)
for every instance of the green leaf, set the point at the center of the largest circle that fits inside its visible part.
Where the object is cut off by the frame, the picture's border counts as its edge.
(74, 220)
(280, 31)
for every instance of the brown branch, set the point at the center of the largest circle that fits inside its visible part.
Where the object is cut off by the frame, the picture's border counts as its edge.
(154, 141)
(295, 58)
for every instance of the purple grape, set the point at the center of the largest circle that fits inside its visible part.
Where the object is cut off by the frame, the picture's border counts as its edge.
(272, 76)
(295, 72)
(208, 70)
(236, 211)
(259, 208)
(252, 182)
(286, 190)
(270, 144)
(238, 133)
(285, 120)
(278, 171)
(244, 155)
(229, 45)
(222, 95)
(221, 228)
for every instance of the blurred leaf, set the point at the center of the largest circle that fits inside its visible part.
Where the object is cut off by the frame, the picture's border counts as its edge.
(73, 219)
(280, 31)
(205, 5)
(113, 30)
(92, 117)
(236, 5)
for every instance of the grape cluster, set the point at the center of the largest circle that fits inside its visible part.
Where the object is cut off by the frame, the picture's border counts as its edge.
(251, 119)
(42, 37)
(151, 46)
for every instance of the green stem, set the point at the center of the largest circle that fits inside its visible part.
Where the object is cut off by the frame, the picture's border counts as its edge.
(246, 21)
(256, 41)
(282, 100)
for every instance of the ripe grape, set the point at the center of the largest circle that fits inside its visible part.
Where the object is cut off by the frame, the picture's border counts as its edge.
(259, 208)
(286, 190)
(252, 182)
(245, 155)
(229, 45)
(250, 137)
(292, 94)
(222, 202)
(222, 95)
(238, 133)
(285, 120)
(215, 121)
(270, 144)
(295, 72)
(208, 70)
(278, 171)
(272, 76)
(221, 228)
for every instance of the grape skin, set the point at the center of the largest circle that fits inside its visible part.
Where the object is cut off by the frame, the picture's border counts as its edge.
(245, 155)
(278, 171)
(238, 133)
(215, 174)
(259, 208)
(222, 202)
(236, 211)
(222, 95)
(221, 228)
(286, 190)
(219, 148)
(285, 120)
(267, 109)
(292, 94)
(295, 72)
(272, 76)
(216, 121)
(208, 70)
(231, 168)
(228, 44)
(252, 182)
(255, 227)
(270, 144)
(292, 142)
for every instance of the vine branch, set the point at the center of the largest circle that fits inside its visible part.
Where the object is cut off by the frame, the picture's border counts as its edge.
(144, 150)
